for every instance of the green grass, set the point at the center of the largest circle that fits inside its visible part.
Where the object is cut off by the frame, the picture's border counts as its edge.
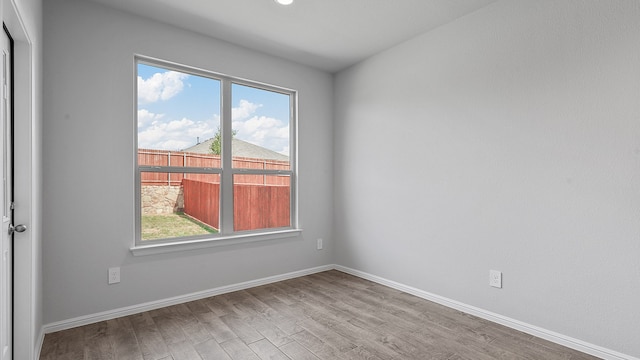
(172, 225)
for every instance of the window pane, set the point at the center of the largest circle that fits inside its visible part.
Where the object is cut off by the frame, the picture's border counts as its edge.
(177, 111)
(260, 123)
(176, 205)
(261, 202)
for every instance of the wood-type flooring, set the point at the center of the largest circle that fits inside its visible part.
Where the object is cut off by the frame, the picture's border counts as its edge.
(328, 315)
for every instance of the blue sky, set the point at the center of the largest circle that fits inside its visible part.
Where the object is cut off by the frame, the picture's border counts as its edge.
(175, 109)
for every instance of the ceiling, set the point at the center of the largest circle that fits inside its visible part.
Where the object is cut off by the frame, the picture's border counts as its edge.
(327, 34)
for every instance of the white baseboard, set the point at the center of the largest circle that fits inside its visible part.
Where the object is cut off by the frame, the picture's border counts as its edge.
(481, 313)
(135, 309)
(496, 318)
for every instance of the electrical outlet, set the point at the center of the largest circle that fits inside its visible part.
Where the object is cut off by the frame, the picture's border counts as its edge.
(319, 244)
(114, 275)
(495, 278)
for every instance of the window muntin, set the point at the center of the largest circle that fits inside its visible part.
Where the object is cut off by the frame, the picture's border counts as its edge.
(181, 112)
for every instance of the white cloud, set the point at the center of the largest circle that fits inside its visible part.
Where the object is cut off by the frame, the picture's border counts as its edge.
(156, 131)
(268, 132)
(179, 125)
(145, 117)
(176, 134)
(245, 110)
(160, 86)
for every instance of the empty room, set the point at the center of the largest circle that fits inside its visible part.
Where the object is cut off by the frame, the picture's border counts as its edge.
(322, 179)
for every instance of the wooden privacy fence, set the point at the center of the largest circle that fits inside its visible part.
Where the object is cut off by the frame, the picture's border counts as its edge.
(255, 206)
(149, 157)
(201, 201)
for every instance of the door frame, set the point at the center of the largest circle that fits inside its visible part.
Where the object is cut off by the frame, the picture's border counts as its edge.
(7, 190)
(27, 305)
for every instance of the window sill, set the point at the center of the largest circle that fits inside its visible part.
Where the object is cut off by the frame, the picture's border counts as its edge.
(163, 248)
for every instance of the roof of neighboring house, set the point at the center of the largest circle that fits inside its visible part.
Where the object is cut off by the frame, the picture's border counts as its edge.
(240, 148)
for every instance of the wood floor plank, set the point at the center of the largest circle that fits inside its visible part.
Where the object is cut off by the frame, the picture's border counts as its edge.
(70, 343)
(427, 341)
(126, 345)
(296, 351)
(272, 291)
(99, 347)
(358, 313)
(183, 350)
(288, 324)
(211, 350)
(170, 329)
(329, 315)
(238, 350)
(326, 334)
(220, 305)
(198, 307)
(141, 320)
(270, 331)
(367, 336)
(241, 328)
(361, 353)
(48, 349)
(322, 349)
(267, 351)
(196, 332)
(66, 344)
(216, 327)
(151, 343)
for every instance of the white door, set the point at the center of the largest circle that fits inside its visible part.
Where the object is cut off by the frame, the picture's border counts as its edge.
(6, 272)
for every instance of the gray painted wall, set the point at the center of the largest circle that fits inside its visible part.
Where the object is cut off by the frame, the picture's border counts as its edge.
(509, 140)
(89, 171)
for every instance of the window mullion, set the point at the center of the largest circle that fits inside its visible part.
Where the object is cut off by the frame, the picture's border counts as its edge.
(226, 196)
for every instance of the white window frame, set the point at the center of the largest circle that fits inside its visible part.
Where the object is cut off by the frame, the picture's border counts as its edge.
(227, 235)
